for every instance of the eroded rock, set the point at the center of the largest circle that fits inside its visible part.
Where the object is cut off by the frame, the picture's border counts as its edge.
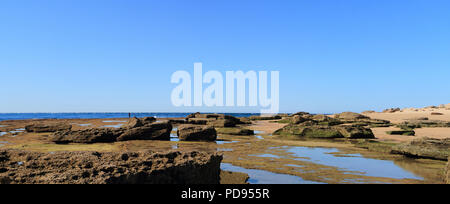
(196, 133)
(39, 128)
(134, 123)
(350, 116)
(88, 136)
(425, 148)
(21, 167)
(235, 131)
(154, 131)
(313, 131)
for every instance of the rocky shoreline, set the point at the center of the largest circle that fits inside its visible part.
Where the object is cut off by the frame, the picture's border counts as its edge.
(198, 131)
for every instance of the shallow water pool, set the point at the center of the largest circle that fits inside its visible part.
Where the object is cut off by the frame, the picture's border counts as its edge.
(113, 126)
(266, 177)
(355, 163)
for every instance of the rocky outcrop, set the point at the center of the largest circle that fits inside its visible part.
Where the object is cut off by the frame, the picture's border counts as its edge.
(417, 123)
(39, 128)
(276, 117)
(345, 125)
(297, 119)
(221, 123)
(313, 131)
(152, 131)
(134, 123)
(215, 120)
(355, 132)
(196, 133)
(88, 136)
(321, 131)
(148, 120)
(425, 148)
(139, 122)
(301, 113)
(177, 121)
(155, 131)
(402, 132)
(235, 131)
(20, 167)
(350, 116)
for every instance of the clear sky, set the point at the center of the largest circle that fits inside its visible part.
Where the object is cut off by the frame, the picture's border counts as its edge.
(119, 55)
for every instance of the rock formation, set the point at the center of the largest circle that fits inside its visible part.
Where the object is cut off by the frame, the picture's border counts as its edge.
(350, 116)
(344, 125)
(425, 148)
(215, 120)
(154, 131)
(20, 167)
(196, 133)
(235, 131)
(39, 128)
(136, 130)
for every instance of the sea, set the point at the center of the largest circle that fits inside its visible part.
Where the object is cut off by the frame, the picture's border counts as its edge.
(26, 116)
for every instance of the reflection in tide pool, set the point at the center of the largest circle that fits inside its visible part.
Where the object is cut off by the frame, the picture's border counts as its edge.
(17, 131)
(267, 156)
(367, 167)
(221, 142)
(3, 133)
(113, 126)
(266, 177)
(259, 137)
(174, 136)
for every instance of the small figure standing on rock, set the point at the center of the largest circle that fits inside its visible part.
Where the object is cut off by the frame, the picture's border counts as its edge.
(129, 115)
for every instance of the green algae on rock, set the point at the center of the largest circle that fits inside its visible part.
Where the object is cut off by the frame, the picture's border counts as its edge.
(425, 148)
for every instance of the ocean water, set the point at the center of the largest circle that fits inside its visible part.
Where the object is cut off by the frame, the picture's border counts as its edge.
(25, 116)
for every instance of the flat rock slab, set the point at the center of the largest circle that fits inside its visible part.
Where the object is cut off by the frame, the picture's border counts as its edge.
(22, 167)
(39, 128)
(196, 133)
(152, 131)
(425, 148)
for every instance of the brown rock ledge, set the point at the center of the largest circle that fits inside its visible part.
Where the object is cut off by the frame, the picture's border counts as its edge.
(22, 167)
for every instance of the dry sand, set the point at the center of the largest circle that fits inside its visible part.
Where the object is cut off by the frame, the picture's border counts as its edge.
(411, 114)
(268, 127)
(438, 133)
(399, 117)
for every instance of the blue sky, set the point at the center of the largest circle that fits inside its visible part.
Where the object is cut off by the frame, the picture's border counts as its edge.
(118, 55)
